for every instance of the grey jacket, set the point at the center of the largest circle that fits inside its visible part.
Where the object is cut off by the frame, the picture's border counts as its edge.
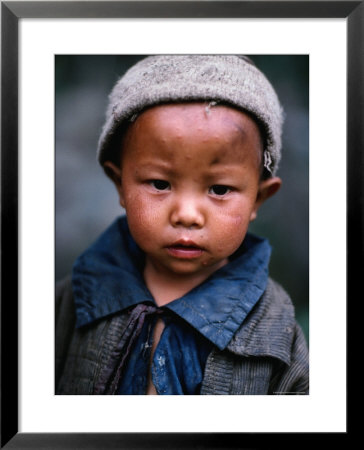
(267, 355)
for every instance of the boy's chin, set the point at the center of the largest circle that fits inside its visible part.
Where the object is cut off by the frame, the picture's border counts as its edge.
(191, 268)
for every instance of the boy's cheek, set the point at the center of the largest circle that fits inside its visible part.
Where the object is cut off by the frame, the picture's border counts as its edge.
(236, 221)
(142, 215)
(231, 229)
(140, 227)
(133, 200)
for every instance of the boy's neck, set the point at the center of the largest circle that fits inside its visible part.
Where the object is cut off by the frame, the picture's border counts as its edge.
(167, 287)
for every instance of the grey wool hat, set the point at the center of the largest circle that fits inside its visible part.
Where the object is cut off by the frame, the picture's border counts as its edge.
(227, 79)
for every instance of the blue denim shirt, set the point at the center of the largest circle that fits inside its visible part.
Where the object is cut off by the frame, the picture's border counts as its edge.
(108, 279)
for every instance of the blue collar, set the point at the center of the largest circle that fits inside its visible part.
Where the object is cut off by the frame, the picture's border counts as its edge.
(107, 278)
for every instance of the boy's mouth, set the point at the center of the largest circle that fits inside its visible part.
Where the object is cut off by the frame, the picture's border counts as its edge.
(185, 249)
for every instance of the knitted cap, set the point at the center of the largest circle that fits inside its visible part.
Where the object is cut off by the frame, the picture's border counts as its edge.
(228, 79)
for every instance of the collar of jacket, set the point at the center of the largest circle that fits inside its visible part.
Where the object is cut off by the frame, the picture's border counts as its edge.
(269, 328)
(107, 278)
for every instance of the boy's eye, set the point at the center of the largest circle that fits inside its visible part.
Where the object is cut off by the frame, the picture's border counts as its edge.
(219, 189)
(160, 185)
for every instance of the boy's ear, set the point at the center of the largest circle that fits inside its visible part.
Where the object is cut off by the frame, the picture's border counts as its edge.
(114, 172)
(266, 189)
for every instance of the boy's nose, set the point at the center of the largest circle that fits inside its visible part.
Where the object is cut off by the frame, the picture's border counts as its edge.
(186, 213)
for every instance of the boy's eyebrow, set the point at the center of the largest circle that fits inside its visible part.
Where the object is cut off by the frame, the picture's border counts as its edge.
(160, 165)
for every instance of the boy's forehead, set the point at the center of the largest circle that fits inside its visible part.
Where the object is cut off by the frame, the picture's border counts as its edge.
(206, 118)
(199, 131)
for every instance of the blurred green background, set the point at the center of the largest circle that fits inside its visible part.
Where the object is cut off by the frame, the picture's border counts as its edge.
(86, 200)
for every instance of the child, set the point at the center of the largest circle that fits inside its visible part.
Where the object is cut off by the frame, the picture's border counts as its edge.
(175, 298)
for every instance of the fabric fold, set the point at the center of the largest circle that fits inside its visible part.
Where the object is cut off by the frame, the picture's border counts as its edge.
(109, 379)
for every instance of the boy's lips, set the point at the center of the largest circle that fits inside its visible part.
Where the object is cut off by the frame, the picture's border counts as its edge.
(184, 249)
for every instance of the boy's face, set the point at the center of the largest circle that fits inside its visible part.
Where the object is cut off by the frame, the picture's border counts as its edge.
(190, 184)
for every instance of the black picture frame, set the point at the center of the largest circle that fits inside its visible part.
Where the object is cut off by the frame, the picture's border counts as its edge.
(11, 13)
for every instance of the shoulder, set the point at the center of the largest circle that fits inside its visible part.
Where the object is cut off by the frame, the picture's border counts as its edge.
(65, 320)
(64, 307)
(269, 328)
(275, 306)
(274, 309)
(65, 284)
(276, 296)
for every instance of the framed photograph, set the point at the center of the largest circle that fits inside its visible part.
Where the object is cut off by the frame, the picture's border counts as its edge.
(47, 46)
